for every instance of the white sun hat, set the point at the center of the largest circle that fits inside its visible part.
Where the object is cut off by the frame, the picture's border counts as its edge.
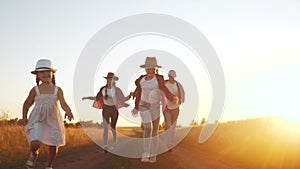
(42, 65)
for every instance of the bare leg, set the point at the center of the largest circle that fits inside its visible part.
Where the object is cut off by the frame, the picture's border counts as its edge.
(34, 151)
(173, 115)
(34, 147)
(154, 137)
(51, 155)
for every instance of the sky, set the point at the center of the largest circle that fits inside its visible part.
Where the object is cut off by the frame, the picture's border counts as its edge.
(257, 43)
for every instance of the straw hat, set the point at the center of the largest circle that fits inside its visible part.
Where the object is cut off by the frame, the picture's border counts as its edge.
(111, 75)
(42, 65)
(150, 63)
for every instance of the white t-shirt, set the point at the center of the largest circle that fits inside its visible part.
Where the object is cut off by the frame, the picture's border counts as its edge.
(174, 90)
(111, 99)
(150, 90)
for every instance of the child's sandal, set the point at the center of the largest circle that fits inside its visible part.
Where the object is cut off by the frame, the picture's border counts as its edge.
(29, 164)
(31, 161)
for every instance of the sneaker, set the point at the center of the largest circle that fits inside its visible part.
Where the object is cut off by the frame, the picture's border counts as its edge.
(152, 159)
(145, 157)
(31, 161)
(114, 144)
(105, 149)
(29, 165)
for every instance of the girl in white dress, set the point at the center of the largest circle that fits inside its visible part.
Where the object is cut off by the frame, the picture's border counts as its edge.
(45, 124)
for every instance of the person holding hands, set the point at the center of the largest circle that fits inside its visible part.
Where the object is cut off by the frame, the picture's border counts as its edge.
(150, 92)
(109, 98)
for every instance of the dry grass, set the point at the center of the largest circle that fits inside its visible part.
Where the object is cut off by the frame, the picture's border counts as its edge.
(14, 148)
(257, 143)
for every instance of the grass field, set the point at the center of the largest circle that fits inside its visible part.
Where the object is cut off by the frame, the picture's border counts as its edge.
(256, 143)
(14, 148)
(259, 143)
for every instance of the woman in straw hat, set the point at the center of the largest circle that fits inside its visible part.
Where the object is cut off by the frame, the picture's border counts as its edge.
(109, 98)
(45, 124)
(150, 91)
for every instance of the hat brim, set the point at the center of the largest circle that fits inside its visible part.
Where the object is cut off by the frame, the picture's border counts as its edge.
(39, 70)
(150, 66)
(116, 78)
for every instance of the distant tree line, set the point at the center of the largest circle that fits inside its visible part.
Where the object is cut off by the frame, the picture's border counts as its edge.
(91, 124)
(6, 120)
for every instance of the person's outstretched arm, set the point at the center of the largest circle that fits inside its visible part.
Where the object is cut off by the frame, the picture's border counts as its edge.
(89, 97)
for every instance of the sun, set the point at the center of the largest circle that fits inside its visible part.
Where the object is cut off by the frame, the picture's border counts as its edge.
(292, 119)
(288, 127)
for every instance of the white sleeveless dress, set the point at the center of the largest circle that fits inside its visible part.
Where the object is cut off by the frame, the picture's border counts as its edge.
(45, 121)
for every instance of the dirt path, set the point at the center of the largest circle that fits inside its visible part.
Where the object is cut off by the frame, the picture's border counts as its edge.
(183, 156)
